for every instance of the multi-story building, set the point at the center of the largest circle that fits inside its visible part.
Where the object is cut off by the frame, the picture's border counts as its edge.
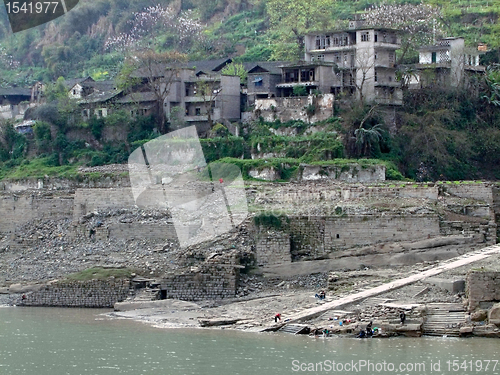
(202, 99)
(363, 59)
(447, 63)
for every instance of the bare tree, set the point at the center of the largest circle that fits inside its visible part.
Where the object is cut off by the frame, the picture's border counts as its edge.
(362, 71)
(209, 89)
(158, 71)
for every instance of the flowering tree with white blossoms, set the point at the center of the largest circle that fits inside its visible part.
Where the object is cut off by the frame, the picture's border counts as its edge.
(153, 20)
(420, 24)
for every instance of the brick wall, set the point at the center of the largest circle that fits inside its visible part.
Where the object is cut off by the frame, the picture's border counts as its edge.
(93, 293)
(482, 286)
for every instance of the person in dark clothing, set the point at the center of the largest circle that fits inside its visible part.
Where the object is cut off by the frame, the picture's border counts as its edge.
(369, 331)
(362, 334)
(277, 317)
(321, 295)
(402, 317)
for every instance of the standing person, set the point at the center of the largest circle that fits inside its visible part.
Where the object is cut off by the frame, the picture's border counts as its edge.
(369, 331)
(402, 317)
(277, 317)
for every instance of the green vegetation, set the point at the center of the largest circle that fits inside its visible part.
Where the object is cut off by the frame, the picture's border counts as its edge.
(98, 273)
(271, 221)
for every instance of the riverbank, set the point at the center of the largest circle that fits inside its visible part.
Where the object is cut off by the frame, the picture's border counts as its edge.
(289, 298)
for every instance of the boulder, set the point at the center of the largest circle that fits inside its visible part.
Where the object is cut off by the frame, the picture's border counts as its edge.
(494, 314)
(479, 315)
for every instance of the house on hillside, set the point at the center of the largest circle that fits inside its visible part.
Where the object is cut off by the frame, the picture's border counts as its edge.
(14, 101)
(262, 80)
(314, 76)
(202, 99)
(448, 63)
(363, 61)
(198, 94)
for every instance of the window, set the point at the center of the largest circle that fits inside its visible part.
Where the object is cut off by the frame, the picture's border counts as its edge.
(198, 111)
(375, 77)
(375, 55)
(365, 36)
(187, 90)
(258, 82)
(375, 37)
(74, 91)
(99, 113)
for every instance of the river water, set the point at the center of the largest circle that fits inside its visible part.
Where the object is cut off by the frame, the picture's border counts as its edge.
(51, 341)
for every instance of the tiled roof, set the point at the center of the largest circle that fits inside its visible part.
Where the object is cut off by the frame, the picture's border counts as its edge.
(18, 91)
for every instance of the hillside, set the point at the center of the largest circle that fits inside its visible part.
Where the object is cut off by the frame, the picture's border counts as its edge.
(94, 38)
(435, 134)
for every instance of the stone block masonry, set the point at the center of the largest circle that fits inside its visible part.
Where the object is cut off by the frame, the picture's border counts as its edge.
(93, 293)
(272, 247)
(483, 288)
(20, 208)
(214, 280)
(479, 191)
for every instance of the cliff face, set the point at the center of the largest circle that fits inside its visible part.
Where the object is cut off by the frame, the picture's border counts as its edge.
(48, 233)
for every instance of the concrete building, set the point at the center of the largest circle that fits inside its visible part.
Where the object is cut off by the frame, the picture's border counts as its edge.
(315, 76)
(202, 99)
(447, 63)
(363, 59)
(262, 80)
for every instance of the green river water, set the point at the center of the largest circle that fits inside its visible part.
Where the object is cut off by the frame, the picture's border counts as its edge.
(50, 341)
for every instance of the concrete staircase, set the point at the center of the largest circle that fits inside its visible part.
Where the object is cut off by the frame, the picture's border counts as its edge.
(443, 319)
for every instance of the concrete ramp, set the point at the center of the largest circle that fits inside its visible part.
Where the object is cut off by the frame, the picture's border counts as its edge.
(445, 266)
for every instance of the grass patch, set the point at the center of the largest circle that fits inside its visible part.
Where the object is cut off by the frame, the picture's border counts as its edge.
(98, 273)
(37, 168)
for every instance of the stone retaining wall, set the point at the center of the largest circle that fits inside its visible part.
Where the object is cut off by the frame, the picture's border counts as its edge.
(93, 293)
(18, 209)
(482, 287)
(479, 191)
(272, 247)
(485, 232)
(208, 283)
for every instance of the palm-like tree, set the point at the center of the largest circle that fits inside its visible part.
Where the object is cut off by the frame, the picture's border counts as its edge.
(367, 138)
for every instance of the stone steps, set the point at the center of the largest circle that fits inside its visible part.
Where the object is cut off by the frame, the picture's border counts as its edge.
(294, 329)
(443, 319)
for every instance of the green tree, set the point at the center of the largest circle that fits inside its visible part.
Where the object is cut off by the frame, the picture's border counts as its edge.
(291, 19)
(236, 69)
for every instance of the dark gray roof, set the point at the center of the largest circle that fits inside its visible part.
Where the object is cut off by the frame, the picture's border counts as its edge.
(15, 91)
(272, 67)
(208, 66)
(101, 85)
(69, 83)
(137, 97)
(100, 97)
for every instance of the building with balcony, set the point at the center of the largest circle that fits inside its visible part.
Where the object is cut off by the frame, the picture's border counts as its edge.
(447, 63)
(363, 60)
(200, 99)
